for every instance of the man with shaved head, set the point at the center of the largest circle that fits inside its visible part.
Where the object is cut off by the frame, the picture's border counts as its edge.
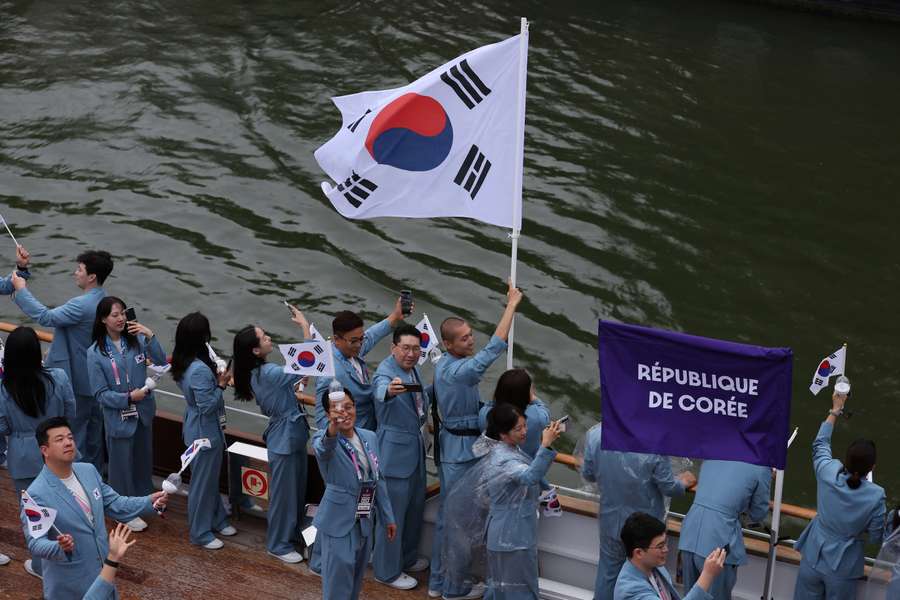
(456, 378)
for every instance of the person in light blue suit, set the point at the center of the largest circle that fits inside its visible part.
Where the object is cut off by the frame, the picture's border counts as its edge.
(458, 402)
(401, 416)
(354, 487)
(204, 417)
(513, 483)
(104, 587)
(29, 394)
(74, 550)
(848, 508)
(628, 482)
(73, 323)
(6, 288)
(285, 435)
(117, 369)
(726, 490)
(515, 387)
(644, 576)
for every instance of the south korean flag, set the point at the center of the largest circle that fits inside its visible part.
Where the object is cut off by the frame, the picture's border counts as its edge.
(314, 358)
(446, 145)
(39, 518)
(429, 343)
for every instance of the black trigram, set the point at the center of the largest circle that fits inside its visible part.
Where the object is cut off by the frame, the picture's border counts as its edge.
(292, 351)
(318, 349)
(352, 126)
(320, 367)
(463, 80)
(356, 189)
(818, 381)
(473, 171)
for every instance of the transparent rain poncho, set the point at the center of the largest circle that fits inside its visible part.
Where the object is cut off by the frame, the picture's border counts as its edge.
(884, 579)
(495, 478)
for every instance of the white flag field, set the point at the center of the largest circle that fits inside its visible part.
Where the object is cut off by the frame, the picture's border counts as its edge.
(830, 366)
(40, 519)
(429, 341)
(192, 451)
(447, 145)
(315, 358)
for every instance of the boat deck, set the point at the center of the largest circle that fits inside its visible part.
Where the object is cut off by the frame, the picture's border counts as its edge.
(163, 565)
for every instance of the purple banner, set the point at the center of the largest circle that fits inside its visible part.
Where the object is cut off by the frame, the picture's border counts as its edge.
(683, 395)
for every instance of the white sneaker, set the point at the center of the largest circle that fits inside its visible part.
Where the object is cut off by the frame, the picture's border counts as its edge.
(477, 591)
(30, 570)
(215, 544)
(255, 509)
(136, 524)
(403, 582)
(290, 557)
(228, 531)
(420, 565)
(434, 593)
(314, 573)
(4, 559)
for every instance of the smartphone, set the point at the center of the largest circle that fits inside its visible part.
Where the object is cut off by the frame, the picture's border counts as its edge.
(563, 422)
(727, 548)
(412, 387)
(130, 315)
(290, 310)
(406, 302)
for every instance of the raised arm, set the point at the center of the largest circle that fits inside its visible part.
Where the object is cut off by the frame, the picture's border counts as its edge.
(68, 314)
(207, 393)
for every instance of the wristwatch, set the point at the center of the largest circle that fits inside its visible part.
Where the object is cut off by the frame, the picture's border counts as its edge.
(835, 413)
(111, 563)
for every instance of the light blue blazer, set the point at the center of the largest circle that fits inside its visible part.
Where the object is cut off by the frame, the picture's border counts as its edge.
(399, 424)
(114, 397)
(205, 403)
(6, 286)
(346, 374)
(835, 538)
(537, 417)
(459, 402)
(101, 590)
(24, 455)
(629, 482)
(72, 323)
(65, 578)
(512, 520)
(726, 489)
(336, 515)
(273, 389)
(632, 584)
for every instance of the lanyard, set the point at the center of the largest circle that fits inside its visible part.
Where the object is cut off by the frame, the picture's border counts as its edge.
(115, 367)
(418, 397)
(351, 452)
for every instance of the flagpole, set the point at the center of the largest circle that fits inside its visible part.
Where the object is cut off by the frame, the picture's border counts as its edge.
(773, 539)
(517, 181)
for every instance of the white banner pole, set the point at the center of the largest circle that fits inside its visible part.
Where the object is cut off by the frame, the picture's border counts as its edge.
(517, 181)
(768, 591)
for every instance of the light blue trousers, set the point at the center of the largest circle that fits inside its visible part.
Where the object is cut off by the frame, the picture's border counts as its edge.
(206, 512)
(513, 575)
(87, 428)
(22, 484)
(449, 474)
(813, 584)
(344, 562)
(692, 566)
(131, 462)
(408, 502)
(612, 557)
(287, 498)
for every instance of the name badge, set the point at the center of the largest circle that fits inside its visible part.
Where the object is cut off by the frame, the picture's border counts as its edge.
(140, 358)
(129, 412)
(222, 420)
(366, 500)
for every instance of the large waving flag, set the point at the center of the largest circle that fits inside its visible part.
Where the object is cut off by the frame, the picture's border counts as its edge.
(830, 366)
(314, 358)
(446, 145)
(40, 519)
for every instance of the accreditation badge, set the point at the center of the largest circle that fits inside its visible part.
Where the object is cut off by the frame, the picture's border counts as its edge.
(223, 420)
(129, 412)
(366, 500)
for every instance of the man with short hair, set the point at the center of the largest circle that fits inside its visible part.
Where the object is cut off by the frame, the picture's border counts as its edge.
(401, 414)
(72, 323)
(456, 379)
(74, 557)
(629, 482)
(644, 575)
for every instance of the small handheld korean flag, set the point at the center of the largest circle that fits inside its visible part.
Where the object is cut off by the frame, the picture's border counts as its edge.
(40, 519)
(429, 339)
(188, 455)
(308, 358)
(443, 146)
(830, 366)
(314, 333)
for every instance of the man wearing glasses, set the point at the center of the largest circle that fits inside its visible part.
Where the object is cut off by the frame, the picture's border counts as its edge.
(644, 575)
(401, 407)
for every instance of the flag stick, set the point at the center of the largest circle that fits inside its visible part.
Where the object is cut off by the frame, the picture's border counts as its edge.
(9, 231)
(773, 540)
(517, 179)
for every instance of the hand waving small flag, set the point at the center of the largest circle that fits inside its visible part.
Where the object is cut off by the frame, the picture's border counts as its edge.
(830, 366)
(314, 358)
(188, 455)
(40, 519)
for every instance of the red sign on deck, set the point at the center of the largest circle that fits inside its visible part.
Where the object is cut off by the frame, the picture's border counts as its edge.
(255, 483)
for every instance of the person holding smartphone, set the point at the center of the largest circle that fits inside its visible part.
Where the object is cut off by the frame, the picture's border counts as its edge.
(401, 407)
(285, 436)
(117, 370)
(204, 417)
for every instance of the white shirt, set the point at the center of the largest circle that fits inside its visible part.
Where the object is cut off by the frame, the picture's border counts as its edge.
(81, 497)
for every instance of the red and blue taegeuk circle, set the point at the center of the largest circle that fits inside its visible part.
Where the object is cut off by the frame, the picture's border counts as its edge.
(426, 339)
(306, 359)
(33, 515)
(825, 369)
(413, 133)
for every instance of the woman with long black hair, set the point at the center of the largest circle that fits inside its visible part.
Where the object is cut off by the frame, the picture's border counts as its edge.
(117, 371)
(204, 417)
(285, 436)
(30, 393)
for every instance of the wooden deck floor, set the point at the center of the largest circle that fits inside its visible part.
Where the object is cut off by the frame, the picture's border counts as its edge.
(164, 566)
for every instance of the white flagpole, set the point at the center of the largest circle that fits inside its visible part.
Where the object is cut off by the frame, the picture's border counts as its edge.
(9, 231)
(517, 183)
(768, 592)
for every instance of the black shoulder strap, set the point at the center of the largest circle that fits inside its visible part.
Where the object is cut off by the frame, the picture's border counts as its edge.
(436, 424)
